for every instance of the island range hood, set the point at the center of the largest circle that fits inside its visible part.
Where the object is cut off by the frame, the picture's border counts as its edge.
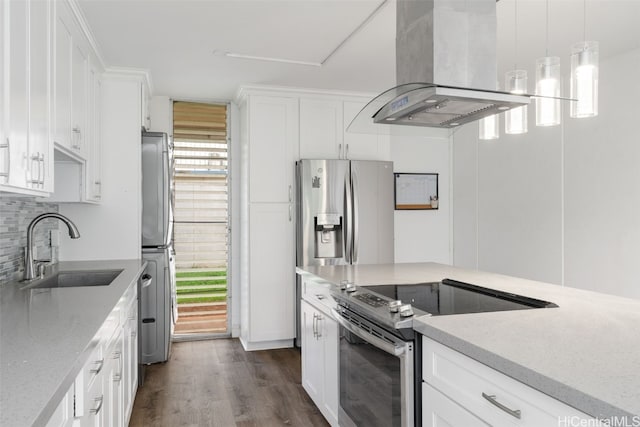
(446, 67)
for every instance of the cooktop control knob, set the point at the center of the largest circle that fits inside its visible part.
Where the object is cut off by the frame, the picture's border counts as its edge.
(394, 306)
(350, 287)
(406, 310)
(343, 284)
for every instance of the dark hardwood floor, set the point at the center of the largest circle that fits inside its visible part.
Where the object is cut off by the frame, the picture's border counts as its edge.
(217, 383)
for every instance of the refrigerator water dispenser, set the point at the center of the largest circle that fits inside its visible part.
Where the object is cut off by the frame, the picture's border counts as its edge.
(328, 235)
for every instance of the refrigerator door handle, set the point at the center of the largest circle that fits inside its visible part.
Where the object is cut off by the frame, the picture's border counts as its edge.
(348, 200)
(355, 214)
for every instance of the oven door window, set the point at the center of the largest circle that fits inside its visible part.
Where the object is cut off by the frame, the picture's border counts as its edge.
(370, 383)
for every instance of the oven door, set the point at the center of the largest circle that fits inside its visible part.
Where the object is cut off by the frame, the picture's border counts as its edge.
(376, 375)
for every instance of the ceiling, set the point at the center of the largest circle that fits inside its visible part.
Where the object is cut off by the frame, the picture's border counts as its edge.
(182, 42)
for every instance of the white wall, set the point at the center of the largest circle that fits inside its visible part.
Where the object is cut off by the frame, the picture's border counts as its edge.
(602, 186)
(111, 230)
(559, 204)
(423, 235)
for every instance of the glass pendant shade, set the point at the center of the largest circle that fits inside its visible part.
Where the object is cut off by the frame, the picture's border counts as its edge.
(584, 79)
(548, 84)
(515, 120)
(489, 128)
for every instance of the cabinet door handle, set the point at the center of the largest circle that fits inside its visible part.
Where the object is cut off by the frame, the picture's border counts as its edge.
(346, 151)
(319, 334)
(290, 211)
(76, 130)
(340, 151)
(35, 158)
(494, 401)
(315, 334)
(99, 364)
(290, 194)
(7, 161)
(43, 170)
(98, 400)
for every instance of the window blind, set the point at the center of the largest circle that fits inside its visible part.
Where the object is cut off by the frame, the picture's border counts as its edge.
(200, 171)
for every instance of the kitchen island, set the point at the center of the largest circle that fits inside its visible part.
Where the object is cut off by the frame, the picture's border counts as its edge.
(47, 335)
(584, 353)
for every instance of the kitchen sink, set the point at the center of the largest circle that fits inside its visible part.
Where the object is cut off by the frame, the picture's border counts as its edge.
(72, 279)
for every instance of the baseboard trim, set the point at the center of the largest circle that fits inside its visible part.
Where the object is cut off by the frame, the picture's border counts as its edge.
(265, 345)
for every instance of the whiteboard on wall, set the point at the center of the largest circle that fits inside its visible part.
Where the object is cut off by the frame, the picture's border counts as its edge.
(416, 191)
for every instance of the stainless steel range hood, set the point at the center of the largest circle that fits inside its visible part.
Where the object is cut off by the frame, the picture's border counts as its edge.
(446, 67)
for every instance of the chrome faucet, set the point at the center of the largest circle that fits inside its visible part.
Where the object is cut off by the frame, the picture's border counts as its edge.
(29, 268)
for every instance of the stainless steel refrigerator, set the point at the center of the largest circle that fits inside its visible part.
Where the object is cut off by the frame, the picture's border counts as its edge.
(157, 304)
(345, 214)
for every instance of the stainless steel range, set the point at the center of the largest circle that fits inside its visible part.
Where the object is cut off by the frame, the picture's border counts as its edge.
(380, 355)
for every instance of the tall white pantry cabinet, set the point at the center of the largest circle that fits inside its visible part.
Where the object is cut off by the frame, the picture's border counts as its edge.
(269, 148)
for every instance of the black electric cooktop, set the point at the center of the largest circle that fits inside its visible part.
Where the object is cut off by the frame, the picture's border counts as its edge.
(453, 297)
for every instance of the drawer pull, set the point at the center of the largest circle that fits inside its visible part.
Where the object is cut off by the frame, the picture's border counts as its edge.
(96, 410)
(494, 401)
(98, 367)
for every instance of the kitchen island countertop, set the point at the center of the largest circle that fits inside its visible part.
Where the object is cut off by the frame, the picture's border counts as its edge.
(585, 352)
(47, 335)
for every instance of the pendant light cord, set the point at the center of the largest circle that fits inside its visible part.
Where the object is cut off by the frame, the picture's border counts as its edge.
(584, 20)
(515, 44)
(546, 42)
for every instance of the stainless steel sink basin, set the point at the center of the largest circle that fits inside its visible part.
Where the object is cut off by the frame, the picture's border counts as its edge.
(72, 279)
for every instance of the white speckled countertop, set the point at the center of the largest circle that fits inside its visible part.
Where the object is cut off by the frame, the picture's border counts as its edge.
(46, 336)
(585, 353)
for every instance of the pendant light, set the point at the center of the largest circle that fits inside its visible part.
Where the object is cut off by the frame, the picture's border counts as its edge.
(584, 75)
(548, 85)
(515, 120)
(489, 128)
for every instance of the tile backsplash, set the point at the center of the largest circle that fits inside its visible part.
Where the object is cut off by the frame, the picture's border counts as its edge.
(15, 215)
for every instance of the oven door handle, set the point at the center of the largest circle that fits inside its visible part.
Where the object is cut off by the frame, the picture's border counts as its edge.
(396, 350)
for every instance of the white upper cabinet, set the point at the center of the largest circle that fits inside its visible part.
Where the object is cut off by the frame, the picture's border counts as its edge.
(25, 150)
(321, 128)
(323, 131)
(76, 110)
(71, 126)
(359, 146)
(93, 171)
(40, 48)
(62, 76)
(4, 147)
(16, 92)
(273, 131)
(79, 78)
(145, 117)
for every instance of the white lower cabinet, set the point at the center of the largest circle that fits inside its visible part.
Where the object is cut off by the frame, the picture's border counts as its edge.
(104, 390)
(440, 411)
(63, 415)
(320, 360)
(468, 393)
(271, 255)
(114, 387)
(130, 360)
